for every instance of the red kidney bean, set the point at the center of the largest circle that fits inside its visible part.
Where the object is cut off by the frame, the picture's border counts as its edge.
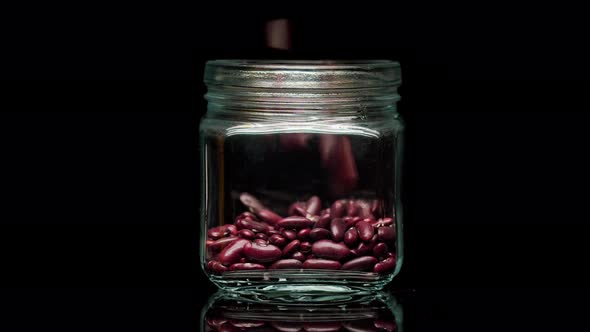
(291, 248)
(314, 263)
(324, 222)
(277, 240)
(337, 228)
(256, 226)
(365, 230)
(384, 222)
(216, 267)
(385, 266)
(292, 208)
(330, 250)
(227, 327)
(246, 323)
(386, 325)
(364, 325)
(364, 248)
(364, 209)
(314, 205)
(375, 208)
(273, 232)
(319, 233)
(300, 211)
(351, 237)
(248, 214)
(246, 234)
(251, 202)
(289, 234)
(246, 266)
(352, 209)
(221, 231)
(295, 222)
(298, 256)
(337, 210)
(303, 234)
(261, 236)
(262, 254)
(322, 326)
(350, 222)
(364, 263)
(216, 322)
(386, 234)
(233, 252)
(286, 264)
(305, 247)
(261, 242)
(354, 253)
(380, 250)
(222, 243)
(269, 216)
(287, 326)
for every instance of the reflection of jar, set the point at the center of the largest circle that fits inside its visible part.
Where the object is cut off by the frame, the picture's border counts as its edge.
(300, 174)
(228, 312)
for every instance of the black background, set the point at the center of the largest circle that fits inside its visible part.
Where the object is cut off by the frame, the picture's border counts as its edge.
(100, 166)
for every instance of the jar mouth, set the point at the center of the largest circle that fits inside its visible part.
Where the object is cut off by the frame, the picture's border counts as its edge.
(303, 74)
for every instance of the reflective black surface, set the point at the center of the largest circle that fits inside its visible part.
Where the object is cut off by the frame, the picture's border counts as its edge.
(186, 309)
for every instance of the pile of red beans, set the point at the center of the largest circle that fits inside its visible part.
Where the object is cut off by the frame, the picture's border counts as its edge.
(365, 325)
(349, 235)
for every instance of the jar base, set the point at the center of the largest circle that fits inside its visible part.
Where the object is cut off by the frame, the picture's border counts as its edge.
(301, 285)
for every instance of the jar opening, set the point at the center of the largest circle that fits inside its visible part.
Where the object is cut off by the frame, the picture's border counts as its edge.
(303, 74)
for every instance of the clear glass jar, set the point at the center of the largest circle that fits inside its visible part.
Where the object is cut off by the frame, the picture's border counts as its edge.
(375, 312)
(301, 175)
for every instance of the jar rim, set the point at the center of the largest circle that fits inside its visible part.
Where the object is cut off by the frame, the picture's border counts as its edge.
(303, 74)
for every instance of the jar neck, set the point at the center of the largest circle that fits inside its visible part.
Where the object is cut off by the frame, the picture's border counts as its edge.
(302, 104)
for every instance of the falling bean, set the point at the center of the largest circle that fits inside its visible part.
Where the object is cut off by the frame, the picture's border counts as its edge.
(314, 205)
(338, 209)
(352, 209)
(250, 224)
(221, 243)
(251, 202)
(269, 216)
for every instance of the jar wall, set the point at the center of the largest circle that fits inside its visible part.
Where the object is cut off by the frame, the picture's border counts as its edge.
(306, 198)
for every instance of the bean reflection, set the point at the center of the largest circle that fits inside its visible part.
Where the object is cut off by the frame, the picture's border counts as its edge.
(230, 312)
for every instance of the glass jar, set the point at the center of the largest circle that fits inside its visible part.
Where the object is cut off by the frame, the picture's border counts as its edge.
(301, 175)
(377, 312)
